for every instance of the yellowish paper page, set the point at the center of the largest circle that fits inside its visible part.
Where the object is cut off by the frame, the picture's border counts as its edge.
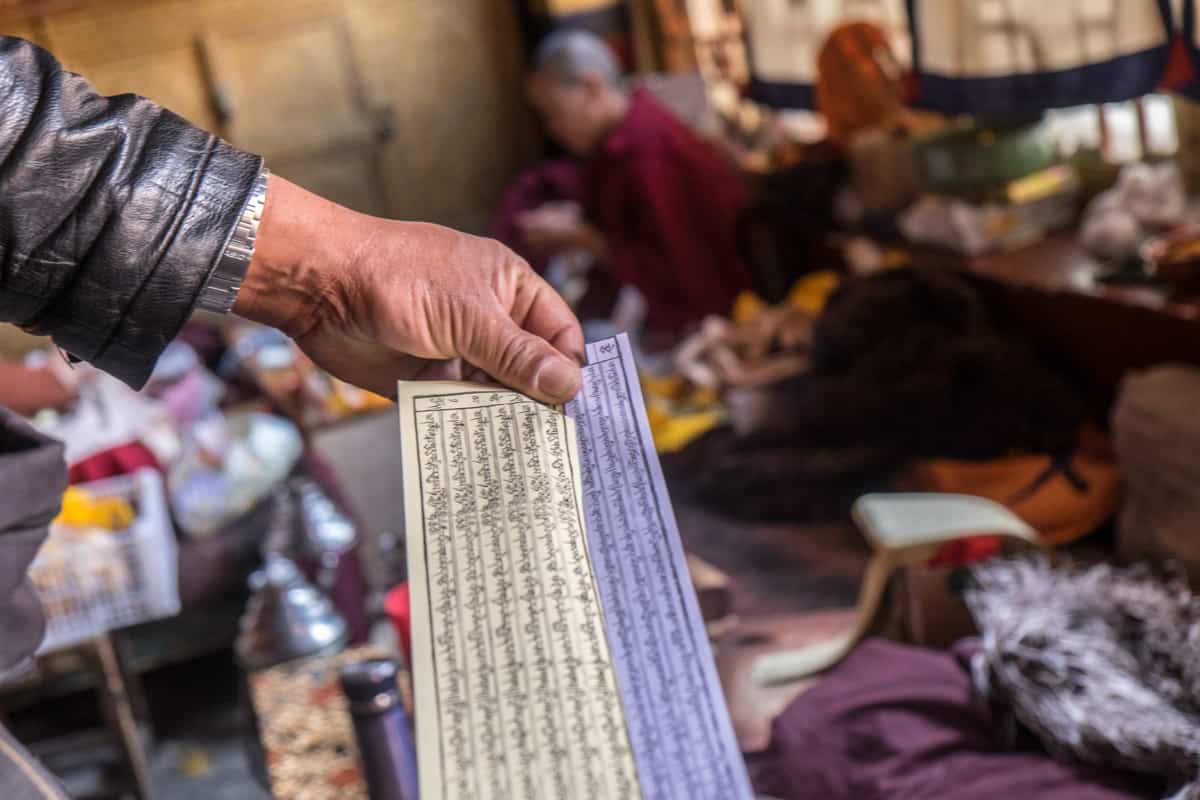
(515, 689)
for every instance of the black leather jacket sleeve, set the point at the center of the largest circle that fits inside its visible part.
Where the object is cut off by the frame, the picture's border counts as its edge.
(113, 211)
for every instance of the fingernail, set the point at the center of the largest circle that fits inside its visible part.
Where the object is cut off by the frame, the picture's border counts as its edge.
(557, 378)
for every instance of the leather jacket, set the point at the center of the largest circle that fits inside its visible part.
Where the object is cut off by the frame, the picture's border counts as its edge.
(32, 480)
(113, 211)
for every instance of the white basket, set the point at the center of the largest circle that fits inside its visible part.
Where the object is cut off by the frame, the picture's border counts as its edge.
(87, 589)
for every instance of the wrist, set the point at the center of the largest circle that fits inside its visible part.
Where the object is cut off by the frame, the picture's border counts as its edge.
(289, 284)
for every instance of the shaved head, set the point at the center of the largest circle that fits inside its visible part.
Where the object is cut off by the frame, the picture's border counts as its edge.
(577, 89)
(572, 55)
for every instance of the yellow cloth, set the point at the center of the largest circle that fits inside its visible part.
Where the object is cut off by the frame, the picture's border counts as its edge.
(673, 432)
(811, 292)
(807, 294)
(680, 412)
(81, 510)
(746, 307)
(677, 411)
(347, 400)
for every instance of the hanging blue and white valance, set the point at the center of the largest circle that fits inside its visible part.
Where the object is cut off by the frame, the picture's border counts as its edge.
(1018, 57)
(986, 57)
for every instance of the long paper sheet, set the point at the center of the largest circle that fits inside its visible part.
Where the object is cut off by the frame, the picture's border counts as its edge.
(678, 723)
(557, 644)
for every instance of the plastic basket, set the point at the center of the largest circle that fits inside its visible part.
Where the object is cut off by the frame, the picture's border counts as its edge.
(89, 586)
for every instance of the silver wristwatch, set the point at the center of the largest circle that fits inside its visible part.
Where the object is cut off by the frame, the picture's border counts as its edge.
(221, 290)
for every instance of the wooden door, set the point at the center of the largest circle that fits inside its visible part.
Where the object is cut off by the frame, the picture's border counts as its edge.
(291, 93)
(275, 79)
(141, 48)
(410, 108)
(450, 72)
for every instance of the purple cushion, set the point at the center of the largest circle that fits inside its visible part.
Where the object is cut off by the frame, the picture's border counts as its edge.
(897, 722)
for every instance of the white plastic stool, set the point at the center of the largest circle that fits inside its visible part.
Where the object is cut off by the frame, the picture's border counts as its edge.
(903, 529)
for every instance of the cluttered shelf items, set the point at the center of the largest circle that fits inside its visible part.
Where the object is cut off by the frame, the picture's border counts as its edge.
(558, 648)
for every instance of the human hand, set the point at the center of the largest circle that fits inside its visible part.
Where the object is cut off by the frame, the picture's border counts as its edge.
(372, 300)
(552, 228)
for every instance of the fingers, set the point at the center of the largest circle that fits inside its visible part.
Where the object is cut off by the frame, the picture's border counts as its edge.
(523, 360)
(542, 311)
(461, 297)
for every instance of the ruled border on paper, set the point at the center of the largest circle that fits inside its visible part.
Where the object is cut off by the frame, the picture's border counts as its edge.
(572, 759)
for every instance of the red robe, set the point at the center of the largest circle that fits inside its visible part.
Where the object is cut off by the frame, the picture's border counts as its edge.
(669, 205)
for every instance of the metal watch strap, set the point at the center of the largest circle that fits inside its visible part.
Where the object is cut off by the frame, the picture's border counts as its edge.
(221, 290)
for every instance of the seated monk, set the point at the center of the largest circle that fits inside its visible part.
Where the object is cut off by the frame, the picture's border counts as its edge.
(660, 207)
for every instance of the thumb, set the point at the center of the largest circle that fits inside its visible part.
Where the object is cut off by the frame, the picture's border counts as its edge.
(523, 361)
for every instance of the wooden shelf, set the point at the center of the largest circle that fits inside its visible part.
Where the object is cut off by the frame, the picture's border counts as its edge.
(1053, 290)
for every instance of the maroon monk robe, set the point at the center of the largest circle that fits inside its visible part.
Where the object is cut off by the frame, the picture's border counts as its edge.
(669, 206)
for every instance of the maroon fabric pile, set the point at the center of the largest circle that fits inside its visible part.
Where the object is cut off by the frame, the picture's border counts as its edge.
(896, 722)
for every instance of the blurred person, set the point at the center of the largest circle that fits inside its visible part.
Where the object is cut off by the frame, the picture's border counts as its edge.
(39, 382)
(119, 218)
(660, 208)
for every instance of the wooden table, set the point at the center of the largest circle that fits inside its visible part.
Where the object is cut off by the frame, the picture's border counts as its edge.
(1052, 290)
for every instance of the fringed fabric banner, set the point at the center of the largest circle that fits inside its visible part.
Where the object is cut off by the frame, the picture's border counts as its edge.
(1000, 58)
(1011, 58)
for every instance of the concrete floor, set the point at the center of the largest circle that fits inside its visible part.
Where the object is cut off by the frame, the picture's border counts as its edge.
(206, 763)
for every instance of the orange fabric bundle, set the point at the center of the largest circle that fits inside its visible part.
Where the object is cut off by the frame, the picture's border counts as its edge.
(858, 81)
(1063, 499)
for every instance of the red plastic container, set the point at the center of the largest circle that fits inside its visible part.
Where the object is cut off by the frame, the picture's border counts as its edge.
(399, 611)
